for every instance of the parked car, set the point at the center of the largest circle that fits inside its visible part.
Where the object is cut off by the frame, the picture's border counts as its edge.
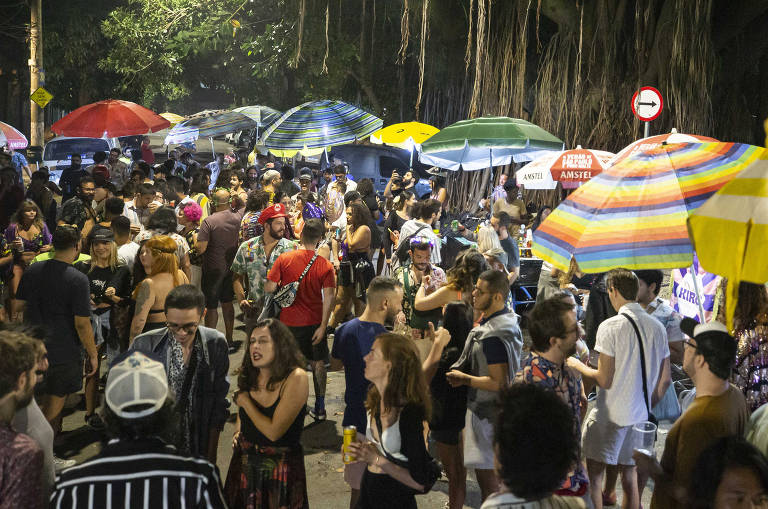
(377, 164)
(57, 153)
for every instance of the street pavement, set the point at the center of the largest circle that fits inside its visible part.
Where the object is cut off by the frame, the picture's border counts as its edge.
(321, 440)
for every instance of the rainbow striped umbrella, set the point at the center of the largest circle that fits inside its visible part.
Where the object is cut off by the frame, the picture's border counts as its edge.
(634, 214)
(314, 126)
(12, 137)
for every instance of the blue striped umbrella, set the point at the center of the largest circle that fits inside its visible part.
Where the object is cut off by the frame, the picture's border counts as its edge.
(314, 126)
(208, 124)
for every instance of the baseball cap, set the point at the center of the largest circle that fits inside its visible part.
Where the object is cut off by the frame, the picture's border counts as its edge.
(136, 387)
(713, 342)
(271, 212)
(102, 235)
(305, 173)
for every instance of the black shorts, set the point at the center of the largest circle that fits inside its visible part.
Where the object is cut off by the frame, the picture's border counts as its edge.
(62, 379)
(303, 336)
(217, 287)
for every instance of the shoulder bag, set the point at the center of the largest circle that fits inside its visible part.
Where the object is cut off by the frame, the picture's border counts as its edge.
(286, 294)
(646, 396)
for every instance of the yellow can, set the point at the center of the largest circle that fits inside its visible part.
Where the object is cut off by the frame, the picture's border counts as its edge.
(350, 435)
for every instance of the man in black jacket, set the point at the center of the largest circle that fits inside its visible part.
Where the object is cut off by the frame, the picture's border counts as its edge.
(196, 361)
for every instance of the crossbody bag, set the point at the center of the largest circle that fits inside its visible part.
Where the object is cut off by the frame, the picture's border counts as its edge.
(646, 396)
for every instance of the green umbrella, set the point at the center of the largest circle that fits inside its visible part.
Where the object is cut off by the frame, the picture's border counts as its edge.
(487, 141)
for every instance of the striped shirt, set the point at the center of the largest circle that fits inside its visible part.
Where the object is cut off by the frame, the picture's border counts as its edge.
(143, 473)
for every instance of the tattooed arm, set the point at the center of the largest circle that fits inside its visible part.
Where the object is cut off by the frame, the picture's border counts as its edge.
(144, 300)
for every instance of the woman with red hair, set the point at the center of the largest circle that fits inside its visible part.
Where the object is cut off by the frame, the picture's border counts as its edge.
(158, 259)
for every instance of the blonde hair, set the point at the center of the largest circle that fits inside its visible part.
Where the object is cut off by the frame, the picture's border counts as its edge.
(113, 261)
(488, 240)
(164, 259)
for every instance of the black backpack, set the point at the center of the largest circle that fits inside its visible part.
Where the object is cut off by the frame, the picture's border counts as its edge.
(404, 247)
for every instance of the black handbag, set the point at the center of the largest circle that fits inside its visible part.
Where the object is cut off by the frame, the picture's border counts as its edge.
(433, 467)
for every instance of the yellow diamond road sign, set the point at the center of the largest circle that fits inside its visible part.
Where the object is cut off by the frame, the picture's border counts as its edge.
(41, 96)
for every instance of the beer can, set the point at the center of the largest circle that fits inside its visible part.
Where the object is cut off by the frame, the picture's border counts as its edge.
(350, 435)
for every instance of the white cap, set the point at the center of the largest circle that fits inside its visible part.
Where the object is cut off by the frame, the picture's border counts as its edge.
(137, 380)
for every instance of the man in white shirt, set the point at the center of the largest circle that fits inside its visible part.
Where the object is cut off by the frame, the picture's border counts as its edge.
(141, 207)
(126, 249)
(621, 400)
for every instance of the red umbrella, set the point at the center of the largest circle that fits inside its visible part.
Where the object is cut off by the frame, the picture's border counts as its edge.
(110, 118)
(12, 137)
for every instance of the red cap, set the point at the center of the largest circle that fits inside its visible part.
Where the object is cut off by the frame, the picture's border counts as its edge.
(271, 212)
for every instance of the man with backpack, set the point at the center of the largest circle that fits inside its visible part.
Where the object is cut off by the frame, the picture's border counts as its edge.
(491, 356)
(424, 214)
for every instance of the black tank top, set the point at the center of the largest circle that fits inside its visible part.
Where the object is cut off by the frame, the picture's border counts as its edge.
(292, 436)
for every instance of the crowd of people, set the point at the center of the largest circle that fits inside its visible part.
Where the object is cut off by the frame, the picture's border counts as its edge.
(117, 292)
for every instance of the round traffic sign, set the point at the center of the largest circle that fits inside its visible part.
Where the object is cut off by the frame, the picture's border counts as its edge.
(647, 104)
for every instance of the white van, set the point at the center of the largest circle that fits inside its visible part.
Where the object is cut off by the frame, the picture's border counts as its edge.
(57, 153)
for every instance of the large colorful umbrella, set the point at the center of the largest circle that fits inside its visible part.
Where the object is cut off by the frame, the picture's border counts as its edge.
(634, 214)
(405, 135)
(656, 141)
(570, 167)
(730, 230)
(109, 119)
(172, 118)
(487, 141)
(12, 137)
(312, 127)
(208, 124)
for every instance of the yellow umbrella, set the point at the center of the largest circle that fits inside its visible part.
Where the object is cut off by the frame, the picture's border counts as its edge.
(730, 230)
(404, 135)
(172, 118)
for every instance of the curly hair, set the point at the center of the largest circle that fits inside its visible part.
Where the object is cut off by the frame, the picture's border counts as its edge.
(406, 383)
(163, 220)
(361, 216)
(535, 440)
(466, 270)
(287, 357)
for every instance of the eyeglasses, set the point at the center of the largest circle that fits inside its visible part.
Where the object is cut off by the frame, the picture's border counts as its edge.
(188, 328)
(690, 343)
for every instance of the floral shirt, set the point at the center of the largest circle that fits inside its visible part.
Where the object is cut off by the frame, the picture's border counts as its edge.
(75, 211)
(535, 369)
(668, 317)
(195, 258)
(410, 287)
(751, 371)
(251, 261)
(250, 227)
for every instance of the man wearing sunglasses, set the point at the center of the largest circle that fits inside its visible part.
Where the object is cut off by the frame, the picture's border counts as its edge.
(196, 361)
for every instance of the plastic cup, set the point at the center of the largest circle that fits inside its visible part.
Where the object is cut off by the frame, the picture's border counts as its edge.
(645, 437)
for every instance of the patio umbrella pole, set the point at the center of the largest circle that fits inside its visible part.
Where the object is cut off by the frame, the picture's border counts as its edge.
(694, 275)
(213, 152)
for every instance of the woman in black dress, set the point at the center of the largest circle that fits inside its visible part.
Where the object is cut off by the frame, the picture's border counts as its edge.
(394, 448)
(449, 404)
(267, 466)
(400, 213)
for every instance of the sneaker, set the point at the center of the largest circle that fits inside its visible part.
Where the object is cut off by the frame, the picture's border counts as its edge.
(95, 422)
(60, 464)
(317, 415)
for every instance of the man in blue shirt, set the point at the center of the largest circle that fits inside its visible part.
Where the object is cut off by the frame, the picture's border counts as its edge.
(352, 342)
(20, 164)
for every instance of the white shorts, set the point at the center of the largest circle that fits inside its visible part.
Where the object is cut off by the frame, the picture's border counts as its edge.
(607, 442)
(478, 442)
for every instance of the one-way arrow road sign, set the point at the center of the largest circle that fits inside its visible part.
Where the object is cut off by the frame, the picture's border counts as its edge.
(647, 104)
